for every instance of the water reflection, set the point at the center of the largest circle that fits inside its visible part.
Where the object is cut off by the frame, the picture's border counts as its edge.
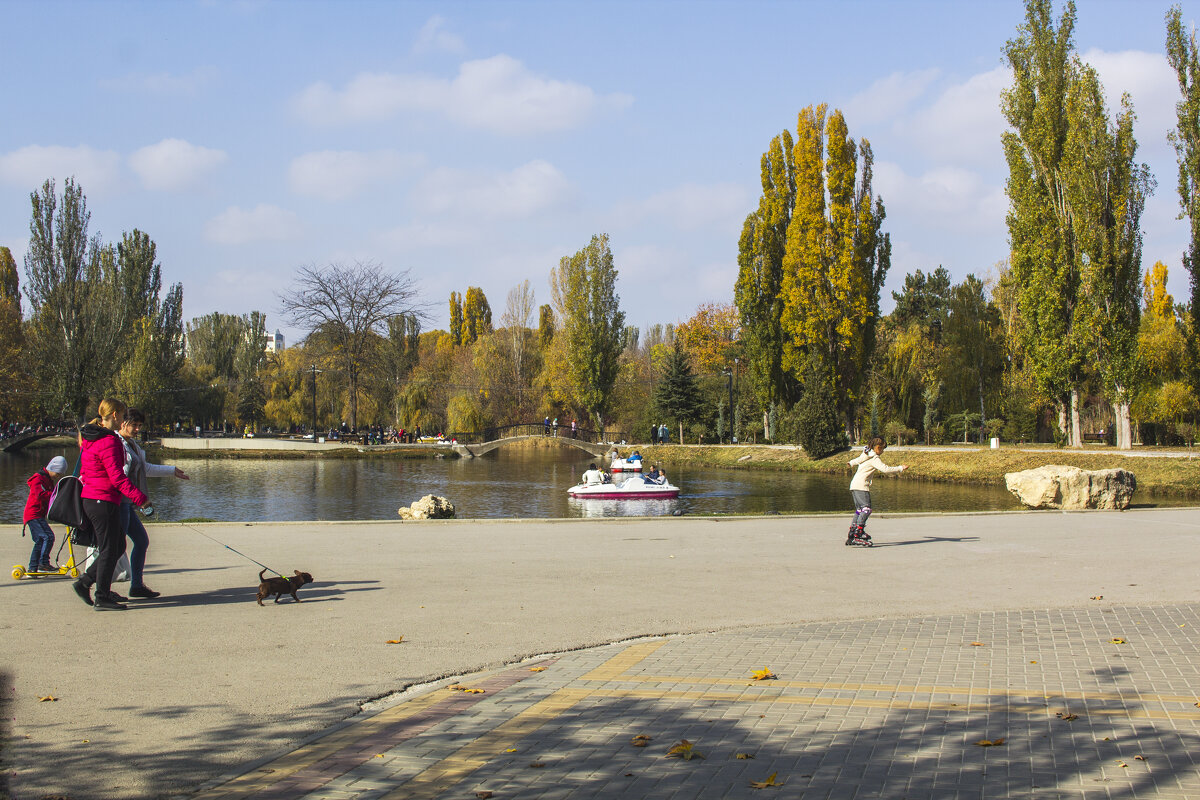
(505, 483)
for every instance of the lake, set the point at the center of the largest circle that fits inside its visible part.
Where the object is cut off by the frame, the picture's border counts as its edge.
(504, 483)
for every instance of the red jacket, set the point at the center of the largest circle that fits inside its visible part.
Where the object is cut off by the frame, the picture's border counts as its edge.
(102, 467)
(41, 486)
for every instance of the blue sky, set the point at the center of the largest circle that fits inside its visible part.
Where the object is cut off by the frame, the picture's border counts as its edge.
(476, 143)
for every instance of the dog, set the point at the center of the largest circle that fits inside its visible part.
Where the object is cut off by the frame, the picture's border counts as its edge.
(277, 586)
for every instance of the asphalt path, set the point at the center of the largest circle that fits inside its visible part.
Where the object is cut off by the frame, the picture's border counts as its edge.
(157, 700)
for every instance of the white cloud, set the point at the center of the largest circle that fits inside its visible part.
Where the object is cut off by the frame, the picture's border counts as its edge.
(94, 170)
(1152, 87)
(963, 124)
(416, 235)
(340, 174)
(433, 37)
(264, 222)
(497, 94)
(527, 190)
(888, 97)
(692, 207)
(173, 165)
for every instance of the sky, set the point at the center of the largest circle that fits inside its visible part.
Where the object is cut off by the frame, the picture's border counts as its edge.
(477, 143)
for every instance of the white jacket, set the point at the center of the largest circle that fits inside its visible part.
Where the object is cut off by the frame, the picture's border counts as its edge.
(137, 468)
(868, 464)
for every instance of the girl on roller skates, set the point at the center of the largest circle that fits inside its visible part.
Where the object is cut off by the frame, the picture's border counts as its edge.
(860, 489)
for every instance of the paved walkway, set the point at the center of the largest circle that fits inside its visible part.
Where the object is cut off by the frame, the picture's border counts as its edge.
(1095, 702)
(879, 690)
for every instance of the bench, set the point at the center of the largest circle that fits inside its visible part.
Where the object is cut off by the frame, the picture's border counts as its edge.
(1101, 438)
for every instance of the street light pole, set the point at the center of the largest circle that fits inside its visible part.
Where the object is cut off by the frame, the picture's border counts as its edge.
(313, 370)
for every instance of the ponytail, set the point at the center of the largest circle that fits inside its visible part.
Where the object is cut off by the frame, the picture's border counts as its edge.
(108, 407)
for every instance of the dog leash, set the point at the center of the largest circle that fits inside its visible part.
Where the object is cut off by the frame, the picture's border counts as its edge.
(227, 547)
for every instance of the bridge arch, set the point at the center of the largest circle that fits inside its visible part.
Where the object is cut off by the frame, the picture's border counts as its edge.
(473, 450)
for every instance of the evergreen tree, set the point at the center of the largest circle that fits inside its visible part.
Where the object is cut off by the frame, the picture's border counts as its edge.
(819, 422)
(677, 395)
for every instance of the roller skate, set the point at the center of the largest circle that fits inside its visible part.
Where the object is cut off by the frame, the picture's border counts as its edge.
(859, 538)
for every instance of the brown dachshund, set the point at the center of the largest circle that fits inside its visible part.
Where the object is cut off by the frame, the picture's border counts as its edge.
(277, 586)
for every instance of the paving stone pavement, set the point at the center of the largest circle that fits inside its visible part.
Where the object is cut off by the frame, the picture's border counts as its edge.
(1092, 702)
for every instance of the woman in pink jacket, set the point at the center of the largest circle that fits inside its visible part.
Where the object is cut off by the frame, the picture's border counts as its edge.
(102, 470)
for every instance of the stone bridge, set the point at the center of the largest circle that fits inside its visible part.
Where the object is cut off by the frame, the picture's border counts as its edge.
(473, 450)
(18, 443)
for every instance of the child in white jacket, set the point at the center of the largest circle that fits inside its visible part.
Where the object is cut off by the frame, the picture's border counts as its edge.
(860, 489)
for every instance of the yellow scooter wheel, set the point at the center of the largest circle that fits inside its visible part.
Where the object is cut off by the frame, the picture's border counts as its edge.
(18, 572)
(74, 572)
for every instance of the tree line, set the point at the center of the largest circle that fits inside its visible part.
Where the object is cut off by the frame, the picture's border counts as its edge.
(1067, 333)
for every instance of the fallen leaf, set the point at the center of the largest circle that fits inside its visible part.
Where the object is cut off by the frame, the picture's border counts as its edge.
(465, 689)
(770, 781)
(1065, 717)
(48, 699)
(990, 743)
(394, 641)
(763, 674)
(379, 755)
(511, 750)
(977, 644)
(537, 669)
(1117, 641)
(685, 750)
(1122, 764)
(483, 795)
(744, 756)
(1106, 739)
(87, 741)
(1032, 662)
(537, 765)
(1098, 597)
(1139, 758)
(641, 740)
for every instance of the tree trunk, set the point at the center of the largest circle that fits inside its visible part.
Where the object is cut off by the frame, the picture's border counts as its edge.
(1062, 418)
(1124, 429)
(1076, 433)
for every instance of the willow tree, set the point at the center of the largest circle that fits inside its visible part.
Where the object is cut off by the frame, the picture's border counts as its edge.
(760, 273)
(584, 287)
(835, 258)
(1076, 198)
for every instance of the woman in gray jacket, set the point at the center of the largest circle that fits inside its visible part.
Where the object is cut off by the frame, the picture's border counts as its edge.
(137, 469)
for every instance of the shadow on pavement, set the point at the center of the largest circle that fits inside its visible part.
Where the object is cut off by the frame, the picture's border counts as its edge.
(317, 591)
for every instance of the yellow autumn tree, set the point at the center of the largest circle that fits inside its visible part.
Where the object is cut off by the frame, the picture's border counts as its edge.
(835, 259)
(709, 336)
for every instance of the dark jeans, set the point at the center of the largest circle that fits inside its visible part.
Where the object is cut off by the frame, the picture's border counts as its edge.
(43, 542)
(110, 543)
(131, 523)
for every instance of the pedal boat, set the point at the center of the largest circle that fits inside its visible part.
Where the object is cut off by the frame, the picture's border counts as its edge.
(632, 488)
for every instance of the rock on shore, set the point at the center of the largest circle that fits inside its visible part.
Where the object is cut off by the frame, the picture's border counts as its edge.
(1058, 486)
(428, 507)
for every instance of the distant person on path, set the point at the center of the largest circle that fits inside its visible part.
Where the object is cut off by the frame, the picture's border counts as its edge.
(653, 434)
(573, 429)
(547, 426)
(102, 470)
(41, 486)
(860, 489)
(555, 426)
(138, 469)
(664, 435)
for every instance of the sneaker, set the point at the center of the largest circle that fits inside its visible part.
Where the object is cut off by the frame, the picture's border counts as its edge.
(47, 568)
(116, 597)
(143, 591)
(83, 590)
(107, 603)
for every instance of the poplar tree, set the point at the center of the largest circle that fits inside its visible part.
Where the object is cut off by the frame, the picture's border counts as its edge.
(1184, 58)
(11, 339)
(1076, 198)
(477, 315)
(835, 259)
(456, 318)
(760, 274)
(545, 326)
(593, 323)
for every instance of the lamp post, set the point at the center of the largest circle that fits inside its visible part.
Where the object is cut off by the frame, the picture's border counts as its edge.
(314, 371)
(728, 373)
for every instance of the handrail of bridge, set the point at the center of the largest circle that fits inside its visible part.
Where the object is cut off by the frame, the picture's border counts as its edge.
(494, 433)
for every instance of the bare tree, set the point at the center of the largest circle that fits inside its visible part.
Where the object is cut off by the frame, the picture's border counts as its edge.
(515, 321)
(349, 305)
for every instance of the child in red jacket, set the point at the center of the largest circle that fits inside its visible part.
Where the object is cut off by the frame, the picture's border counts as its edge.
(41, 486)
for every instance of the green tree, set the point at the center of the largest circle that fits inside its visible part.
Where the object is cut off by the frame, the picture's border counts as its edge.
(213, 340)
(545, 326)
(593, 323)
(925, 300)
(819, 421)
(456, 318)
(1184, 58)
(677, 395)
(972, 364)
(12, 372)
(757, 292)
(836, 256)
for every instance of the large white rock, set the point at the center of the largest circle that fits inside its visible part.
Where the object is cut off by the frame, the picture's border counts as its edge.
(428, 507)
(1058, 486)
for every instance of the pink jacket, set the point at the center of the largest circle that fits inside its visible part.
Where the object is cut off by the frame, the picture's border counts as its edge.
(102, 467)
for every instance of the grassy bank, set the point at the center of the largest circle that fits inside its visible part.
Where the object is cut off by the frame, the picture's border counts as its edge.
(1165, 476)
(406, 452)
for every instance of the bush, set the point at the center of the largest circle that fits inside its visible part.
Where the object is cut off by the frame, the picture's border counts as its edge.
(820, 429)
